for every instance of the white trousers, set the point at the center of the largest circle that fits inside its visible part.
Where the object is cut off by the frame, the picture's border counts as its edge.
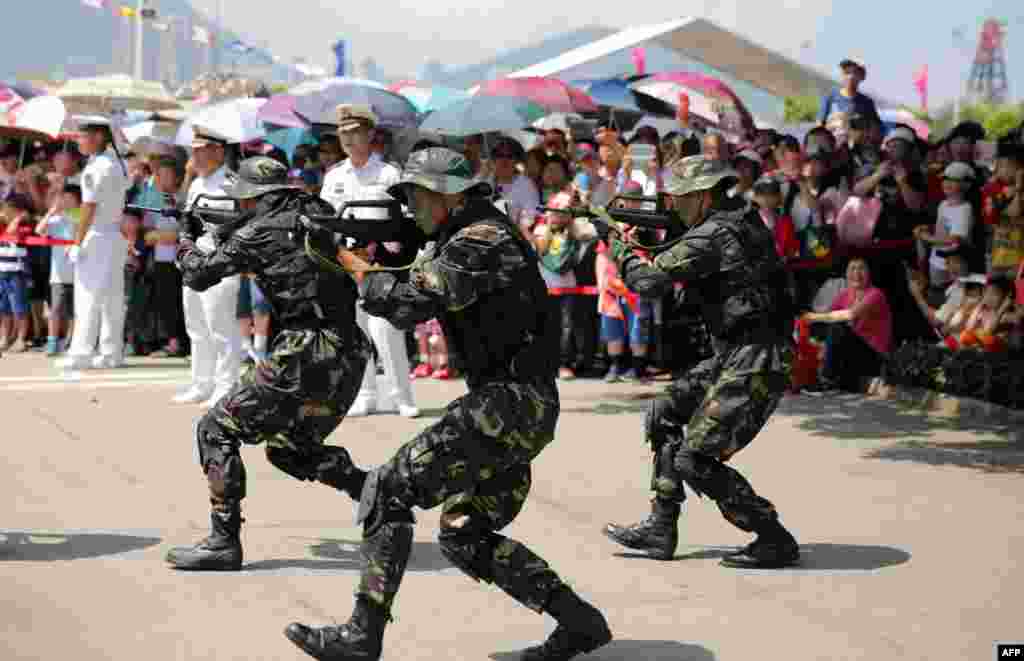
(390, 344)
(99, 295)
(214, 333)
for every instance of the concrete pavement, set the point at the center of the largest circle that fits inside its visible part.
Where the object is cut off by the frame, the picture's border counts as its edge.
(911, 530)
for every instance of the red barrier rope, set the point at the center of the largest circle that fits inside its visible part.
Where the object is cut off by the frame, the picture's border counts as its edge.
(35, 241)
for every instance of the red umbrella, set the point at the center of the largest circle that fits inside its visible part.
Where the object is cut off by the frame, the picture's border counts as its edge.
(708, 97)
(552, 94)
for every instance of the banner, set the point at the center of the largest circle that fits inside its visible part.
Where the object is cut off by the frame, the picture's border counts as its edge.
(921, 83)
(95, 4)
(126, 12)
(339, 53)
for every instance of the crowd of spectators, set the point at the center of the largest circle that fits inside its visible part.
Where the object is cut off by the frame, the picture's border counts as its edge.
(889, 239)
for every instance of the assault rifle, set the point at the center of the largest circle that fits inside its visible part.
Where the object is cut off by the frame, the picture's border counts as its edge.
(217, 210)
(393, 226)
(648, 218)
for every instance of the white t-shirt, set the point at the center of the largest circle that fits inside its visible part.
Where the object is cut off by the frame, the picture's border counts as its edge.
(105, 184)
(210, 185)
(347, 183)
(953, 220)
(954, 296)
(62, 271)
(520, 195)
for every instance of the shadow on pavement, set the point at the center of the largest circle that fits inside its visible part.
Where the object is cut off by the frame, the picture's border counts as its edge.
(343, 554)
(990, 456)
(636, 650)
(47, 547)
(813, 557)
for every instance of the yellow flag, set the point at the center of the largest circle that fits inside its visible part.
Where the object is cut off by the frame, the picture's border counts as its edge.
(127, 12)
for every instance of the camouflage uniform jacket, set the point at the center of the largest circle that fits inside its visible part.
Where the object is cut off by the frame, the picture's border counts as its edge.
(481, 282)
(731, 271)
(269, 244)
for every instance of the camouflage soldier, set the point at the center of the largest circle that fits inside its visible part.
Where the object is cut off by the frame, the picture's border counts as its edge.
(730, 268)
(482, 282)
(296, 397)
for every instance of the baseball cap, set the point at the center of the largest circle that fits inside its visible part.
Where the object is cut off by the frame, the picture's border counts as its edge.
(849, 63)
(958, 171)
(749, 155)
(353, 115)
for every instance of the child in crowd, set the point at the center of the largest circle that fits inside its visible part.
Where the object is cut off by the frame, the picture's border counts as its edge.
(136, 285)
(60, 222)
(987, 326)
(953, 224)
(433, 352)
(768, 198)
(15, 227)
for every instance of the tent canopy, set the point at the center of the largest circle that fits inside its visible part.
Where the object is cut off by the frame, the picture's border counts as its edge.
(702, 40)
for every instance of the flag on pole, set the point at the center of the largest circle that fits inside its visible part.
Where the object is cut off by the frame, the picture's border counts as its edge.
(239, 47)
(201, 35)
(95, 4)
(126, 12)
(339, 53)
(921, 83)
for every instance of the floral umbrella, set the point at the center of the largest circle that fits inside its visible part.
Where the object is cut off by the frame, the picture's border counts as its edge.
(550, 93)
(707, 97)
(315, 101)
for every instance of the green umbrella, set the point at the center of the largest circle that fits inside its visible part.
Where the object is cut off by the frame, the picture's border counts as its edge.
(482, 114)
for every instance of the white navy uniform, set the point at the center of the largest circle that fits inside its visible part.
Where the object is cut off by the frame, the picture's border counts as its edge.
(346, 183)
(210, 316)
(99, 268)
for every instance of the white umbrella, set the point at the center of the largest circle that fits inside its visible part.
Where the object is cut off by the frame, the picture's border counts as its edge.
(107, 94)
(41, 115)
(163, 132)
(236, 120)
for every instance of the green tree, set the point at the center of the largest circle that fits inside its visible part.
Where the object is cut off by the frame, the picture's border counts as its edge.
(800, 109)
(278, 88)
(997, 120)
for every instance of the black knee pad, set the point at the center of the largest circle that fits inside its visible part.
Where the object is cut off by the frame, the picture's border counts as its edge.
(378, 505)
(470, 550)
(291, 462)
(700, 472)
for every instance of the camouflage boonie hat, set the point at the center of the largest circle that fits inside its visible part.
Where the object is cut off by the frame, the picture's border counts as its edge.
(439, 170)
(696, 173)
(257, 176)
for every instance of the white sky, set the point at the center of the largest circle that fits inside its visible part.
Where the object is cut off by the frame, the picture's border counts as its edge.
(893, 38)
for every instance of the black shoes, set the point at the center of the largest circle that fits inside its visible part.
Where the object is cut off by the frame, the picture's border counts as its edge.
(359, 639)
(581, 629)
(221, 551)
(774, 548)
(658, 534)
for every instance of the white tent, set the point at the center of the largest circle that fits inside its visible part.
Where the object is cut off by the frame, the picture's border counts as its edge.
(703, 41)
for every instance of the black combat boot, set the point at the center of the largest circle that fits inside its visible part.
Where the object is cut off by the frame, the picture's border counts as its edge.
(359, 639)
(221, 551)
(657, 534)
(336, 469)
(581, 629)
(773, 548)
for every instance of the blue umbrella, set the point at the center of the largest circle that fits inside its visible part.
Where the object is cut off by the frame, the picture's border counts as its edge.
(316, 101)
(288, 140)
(482, 114)
(616, 94)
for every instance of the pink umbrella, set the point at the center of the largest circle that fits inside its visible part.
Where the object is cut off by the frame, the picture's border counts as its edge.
(709, 98)
(279, 110)
(552, 94)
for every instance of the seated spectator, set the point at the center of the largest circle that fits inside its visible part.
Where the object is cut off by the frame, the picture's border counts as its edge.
(989, 324)
(15, 273)
(768, 198)
(955, 319)
(859, 336)
(60, 222)
(939, 308)
(952, 226)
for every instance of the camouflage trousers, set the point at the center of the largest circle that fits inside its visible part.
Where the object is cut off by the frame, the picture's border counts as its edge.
(291, 403)
(708, 416)
(475, 463)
